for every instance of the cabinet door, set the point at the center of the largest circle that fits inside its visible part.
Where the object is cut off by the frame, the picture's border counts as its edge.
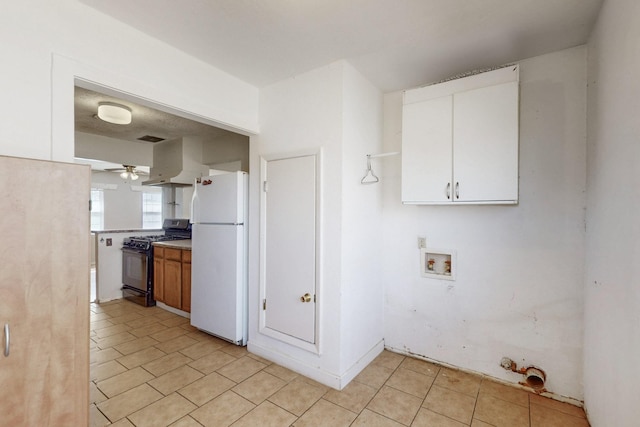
(158, 274)
(427, 151)
(44, 293)
(485, 141)
(173, 283)
(186, 281)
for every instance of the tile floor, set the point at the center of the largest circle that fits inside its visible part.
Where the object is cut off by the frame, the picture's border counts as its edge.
(149, 367)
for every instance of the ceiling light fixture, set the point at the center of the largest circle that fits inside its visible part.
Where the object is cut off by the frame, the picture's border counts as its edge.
(114, 113)
(129, 172)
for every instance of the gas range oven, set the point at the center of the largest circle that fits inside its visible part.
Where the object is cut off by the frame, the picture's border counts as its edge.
(137, 260)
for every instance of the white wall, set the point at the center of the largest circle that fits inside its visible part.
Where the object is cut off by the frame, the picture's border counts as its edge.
(122, 205)
(362, 290)
(309, 112)
(303, 113)
(225, 149)
(109, 263)
(53, 42)
(97, 147)
(518, 291)
(612, 282)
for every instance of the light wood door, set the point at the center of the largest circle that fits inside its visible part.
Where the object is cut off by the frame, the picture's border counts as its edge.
(44, 292)
(289, 242)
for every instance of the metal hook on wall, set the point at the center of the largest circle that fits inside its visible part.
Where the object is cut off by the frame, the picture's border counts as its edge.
(370, 177)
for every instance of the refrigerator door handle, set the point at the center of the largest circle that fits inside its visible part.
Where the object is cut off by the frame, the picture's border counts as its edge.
(195, 204)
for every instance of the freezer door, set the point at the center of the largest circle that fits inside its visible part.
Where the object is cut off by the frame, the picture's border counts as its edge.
(221, 199)
(218, 281)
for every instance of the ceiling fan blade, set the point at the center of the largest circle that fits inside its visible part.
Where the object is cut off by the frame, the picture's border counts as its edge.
(127, 168)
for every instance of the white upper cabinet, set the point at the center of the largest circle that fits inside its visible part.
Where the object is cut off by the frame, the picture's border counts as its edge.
(460, 141)
(426, 150)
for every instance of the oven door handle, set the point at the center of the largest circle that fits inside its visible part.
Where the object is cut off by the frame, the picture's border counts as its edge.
(134, 251)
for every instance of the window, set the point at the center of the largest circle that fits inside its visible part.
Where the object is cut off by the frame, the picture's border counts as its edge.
(152, 209)
(97, 209)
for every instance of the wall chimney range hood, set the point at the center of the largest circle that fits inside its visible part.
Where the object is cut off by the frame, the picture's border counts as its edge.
(177, 162)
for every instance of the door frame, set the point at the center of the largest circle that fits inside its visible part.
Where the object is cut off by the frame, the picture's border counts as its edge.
(315, 347)
(67, 73)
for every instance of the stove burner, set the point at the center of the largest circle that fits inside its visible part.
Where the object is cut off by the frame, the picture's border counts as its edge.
(144, 242)
(151, 238)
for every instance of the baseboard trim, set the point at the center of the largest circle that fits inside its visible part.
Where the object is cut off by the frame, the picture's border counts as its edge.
(362, 363)
(329, 379)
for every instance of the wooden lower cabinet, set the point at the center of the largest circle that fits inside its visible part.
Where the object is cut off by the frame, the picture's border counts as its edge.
(158, 273)
(172, 277)
(186, 281)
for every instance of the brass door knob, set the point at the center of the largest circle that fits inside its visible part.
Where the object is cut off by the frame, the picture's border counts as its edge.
(305, 298)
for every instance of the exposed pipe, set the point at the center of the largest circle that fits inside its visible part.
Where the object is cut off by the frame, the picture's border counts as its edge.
(533, 377)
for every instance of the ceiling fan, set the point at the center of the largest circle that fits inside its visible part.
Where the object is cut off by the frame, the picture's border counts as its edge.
(128, 171)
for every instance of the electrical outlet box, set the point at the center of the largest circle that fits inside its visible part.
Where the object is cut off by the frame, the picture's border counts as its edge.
(422, 242)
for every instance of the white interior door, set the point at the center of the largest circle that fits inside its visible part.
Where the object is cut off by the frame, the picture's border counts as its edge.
(289, 247)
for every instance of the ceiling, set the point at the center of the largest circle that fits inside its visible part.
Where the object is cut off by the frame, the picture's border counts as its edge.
(146, 121)
(396, 44)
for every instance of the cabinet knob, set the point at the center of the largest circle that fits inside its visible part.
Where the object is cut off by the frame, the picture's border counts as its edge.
(457, 190)
(448, 190)
(305, 298)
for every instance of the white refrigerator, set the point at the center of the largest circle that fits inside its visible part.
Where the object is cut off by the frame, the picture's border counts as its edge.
(219, 284)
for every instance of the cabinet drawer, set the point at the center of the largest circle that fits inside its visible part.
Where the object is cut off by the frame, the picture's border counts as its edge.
(173, 254)
(186, 255)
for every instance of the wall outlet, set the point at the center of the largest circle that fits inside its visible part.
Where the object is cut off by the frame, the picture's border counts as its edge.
(109, 242)
(422, 242)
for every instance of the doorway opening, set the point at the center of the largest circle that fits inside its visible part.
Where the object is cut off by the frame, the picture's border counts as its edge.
(159, 142)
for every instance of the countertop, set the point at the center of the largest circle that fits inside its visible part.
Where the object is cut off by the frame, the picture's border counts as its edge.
(131, 230)
(176, 244)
